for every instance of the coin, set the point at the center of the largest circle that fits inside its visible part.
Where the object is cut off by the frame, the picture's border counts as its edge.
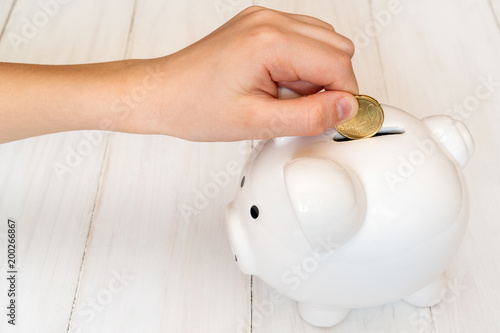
(367, 122)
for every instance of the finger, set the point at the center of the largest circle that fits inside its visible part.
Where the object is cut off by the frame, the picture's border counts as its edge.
(308, 115)
(311, 20)
(250, 10)
(326, 36)
(302, 24)
(303, 59)
(277, 14)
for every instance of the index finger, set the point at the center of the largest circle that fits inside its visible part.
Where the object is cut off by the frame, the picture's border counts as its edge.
(303, 59)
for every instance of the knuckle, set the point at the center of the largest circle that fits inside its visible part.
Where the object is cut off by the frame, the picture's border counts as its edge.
(266, 33)
(263, 15)
(329, 26)
(348, 47)
(252, 9)
(343, 60)
(265, 25)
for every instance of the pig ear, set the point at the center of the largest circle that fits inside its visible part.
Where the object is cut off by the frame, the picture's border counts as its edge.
(328, 200)
(453, 136)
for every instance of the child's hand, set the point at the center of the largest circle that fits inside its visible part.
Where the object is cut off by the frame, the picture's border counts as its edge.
(224, 87)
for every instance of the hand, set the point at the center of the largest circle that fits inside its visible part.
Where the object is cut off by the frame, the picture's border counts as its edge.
(225, 86)
(222, 88)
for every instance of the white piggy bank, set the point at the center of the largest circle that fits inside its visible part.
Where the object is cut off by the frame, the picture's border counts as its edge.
(337, 224)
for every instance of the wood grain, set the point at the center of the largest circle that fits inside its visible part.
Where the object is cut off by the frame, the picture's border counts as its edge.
(132, 237)
(446, 57)
(160, 214)
(6, 8)
(49, 184)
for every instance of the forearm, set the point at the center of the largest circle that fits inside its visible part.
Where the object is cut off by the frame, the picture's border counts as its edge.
(43, 99)
(222, 88)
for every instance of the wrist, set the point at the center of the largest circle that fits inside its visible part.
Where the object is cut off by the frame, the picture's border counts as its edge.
(137, 97)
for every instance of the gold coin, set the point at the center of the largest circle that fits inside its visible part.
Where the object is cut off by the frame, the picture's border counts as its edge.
(367, 122)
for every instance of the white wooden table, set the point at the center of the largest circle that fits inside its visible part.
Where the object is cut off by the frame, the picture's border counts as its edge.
(104, 243)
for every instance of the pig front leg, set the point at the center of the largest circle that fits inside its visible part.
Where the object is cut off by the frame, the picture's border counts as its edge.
(429, 295)
(320, 315)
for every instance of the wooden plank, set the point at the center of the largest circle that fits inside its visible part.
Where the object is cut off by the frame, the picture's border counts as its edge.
(49, 184)
(82, 31)
(145, 267)
(437, 68)
(495, 10)
(183, 277)
(177, 25)
(182, 274)
(5, 11)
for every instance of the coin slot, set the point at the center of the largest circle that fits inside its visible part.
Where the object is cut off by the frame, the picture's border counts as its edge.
(382, 132)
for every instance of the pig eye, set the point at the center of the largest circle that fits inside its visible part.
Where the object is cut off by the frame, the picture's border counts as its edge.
(242, 181)
(254, 211)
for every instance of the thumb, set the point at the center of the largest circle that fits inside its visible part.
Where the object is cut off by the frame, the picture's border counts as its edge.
(307, 115)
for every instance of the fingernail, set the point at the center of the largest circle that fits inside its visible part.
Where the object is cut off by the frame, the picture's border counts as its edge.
(344, 108)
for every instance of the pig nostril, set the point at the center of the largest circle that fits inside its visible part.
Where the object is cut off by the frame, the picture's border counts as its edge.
(235, 258)
(254, 211)
(242, 181)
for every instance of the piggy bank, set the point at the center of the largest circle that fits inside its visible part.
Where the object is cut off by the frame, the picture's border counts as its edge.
(339, 224)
